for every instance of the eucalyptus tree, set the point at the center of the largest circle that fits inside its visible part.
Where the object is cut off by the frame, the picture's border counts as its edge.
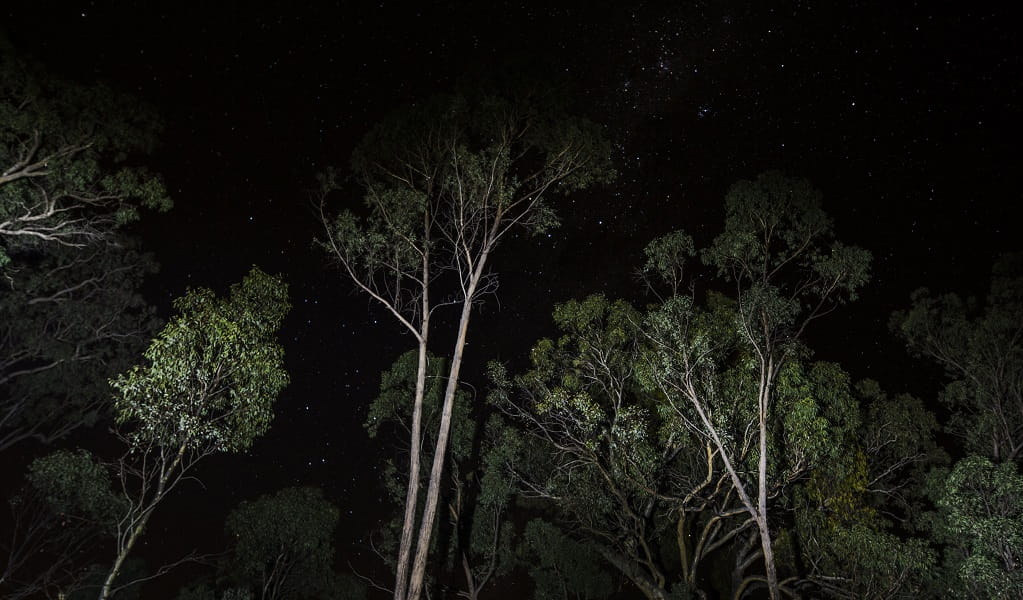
(74, 319)
(477, 539)
(616, 470)
(855, 514)
(62, 514)
(981, 351)
(981, 518)
(207, 385)
(778, 255)
(444, 182)
(284, 544)
(67, 154)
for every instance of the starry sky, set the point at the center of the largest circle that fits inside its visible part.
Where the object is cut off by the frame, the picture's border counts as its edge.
(905, 115)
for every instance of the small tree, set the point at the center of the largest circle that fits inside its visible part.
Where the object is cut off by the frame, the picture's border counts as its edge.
(208, 385)
(66, 508)
(284, 544)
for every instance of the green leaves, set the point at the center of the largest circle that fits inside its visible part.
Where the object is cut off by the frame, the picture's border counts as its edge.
(213, 373)
(64, 153)
(73, 483)
(284, 543)
(981, 507)
(981, 350)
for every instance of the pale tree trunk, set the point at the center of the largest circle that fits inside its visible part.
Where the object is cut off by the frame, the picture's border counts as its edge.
(412, 493)
(433, 493)
(136, 532)
(765, 533)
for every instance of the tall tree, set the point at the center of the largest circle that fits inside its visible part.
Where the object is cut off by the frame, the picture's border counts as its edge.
(778, 254)
(445, 182)
(65, 149)
(208, 385)
(981, 350)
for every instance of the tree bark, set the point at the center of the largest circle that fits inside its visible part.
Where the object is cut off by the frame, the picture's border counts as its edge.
(412, 493)
(440, 452)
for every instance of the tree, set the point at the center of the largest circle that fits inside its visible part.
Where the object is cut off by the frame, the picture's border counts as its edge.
(65, 174)
(476, 496)
(621, 476)
(981, 350)
(854, 511)
(562, 568)
(981, 516)
(208, 385)
(778, 254)
(66, 508)
(74, 320)
(284, 544)
(444, 183)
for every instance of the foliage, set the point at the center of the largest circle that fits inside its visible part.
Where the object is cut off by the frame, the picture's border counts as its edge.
(981, 516)
(213, 372)
(561, 568)
(74, 319)
(613, 467)
(981, 350)
(73, 483)
(284, 543)
(65, 510)
(67, 159)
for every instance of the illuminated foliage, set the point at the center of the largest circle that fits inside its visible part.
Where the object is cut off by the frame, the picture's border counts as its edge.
(213, 372)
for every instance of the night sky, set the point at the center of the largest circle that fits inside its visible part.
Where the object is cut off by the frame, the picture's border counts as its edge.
(905, 115)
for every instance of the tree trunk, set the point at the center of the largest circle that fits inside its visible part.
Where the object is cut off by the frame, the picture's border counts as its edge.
(636, 575)
(433, 493)
(412, 493)
(104, 592)
(765, 533)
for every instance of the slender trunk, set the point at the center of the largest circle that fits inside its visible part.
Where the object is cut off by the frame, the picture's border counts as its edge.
(412, 493)
(765, 534)
(136, 532)
(470, 581)
(433, 493)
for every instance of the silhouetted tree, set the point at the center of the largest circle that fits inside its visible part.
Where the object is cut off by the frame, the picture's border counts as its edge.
(981, 350)
(284, 544)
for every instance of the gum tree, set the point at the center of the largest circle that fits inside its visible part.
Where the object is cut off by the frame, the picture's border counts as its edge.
(981, 350)
(284, 544)
(778, 255)
(444, 182)
(65, 175)
(74, 319)
(207, 385)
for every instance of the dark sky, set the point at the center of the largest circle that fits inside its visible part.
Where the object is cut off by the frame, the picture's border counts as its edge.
(905, 114)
